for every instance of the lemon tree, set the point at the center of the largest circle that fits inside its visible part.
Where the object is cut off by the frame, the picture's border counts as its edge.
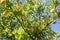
(28, 20)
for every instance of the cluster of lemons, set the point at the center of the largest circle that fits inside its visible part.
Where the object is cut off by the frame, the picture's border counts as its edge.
(53, 10)
(5, 12)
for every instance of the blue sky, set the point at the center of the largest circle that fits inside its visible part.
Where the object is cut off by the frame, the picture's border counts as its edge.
(56, 27)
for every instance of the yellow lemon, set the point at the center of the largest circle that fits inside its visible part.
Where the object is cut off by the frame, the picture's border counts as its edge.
(4, 13)
(3, 1)
(52, 10)
(31, 29)
(54, 21)
(45, 20)
(25, 19)
(50, 36)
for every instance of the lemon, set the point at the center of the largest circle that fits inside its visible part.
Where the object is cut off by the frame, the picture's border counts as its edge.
(45, 20)
(50, 36)
(54, 21)
(25, 19)
(3, 1)
(31, 29)
(52, 10)
(4, 13)
(59, 16)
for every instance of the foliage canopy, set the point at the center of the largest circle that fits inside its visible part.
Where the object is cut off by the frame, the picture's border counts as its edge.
(30, 20)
